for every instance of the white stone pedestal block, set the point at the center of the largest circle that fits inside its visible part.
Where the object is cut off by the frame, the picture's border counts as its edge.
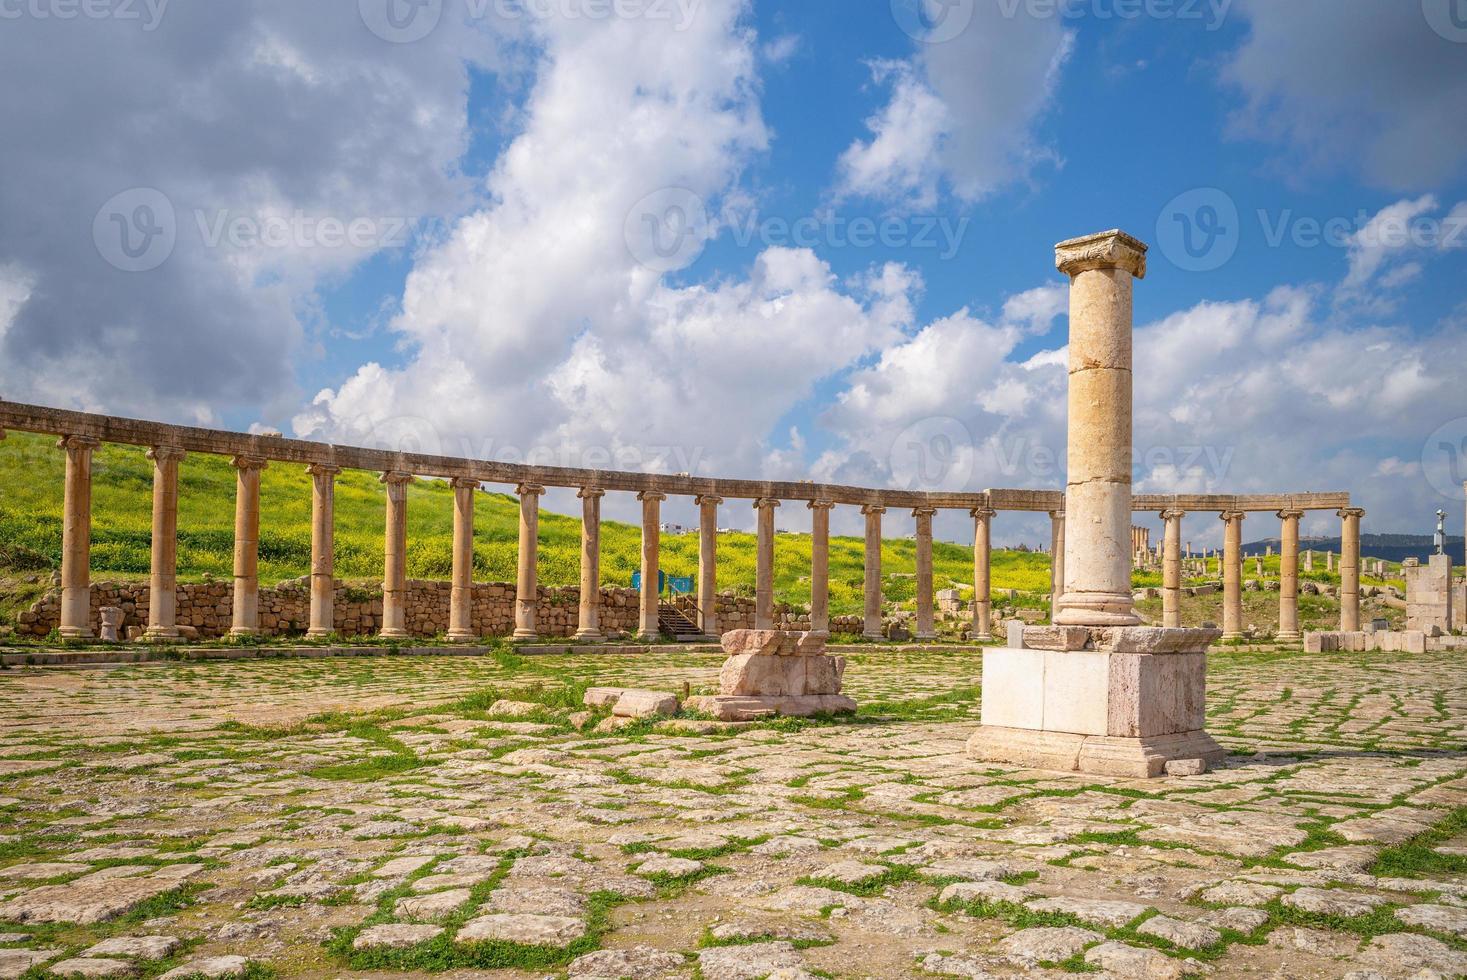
(1118, 701)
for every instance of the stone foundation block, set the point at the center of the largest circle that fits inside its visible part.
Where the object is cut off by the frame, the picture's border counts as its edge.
(645, 704)
(754, 707)
(1138, 758)
(781, 676)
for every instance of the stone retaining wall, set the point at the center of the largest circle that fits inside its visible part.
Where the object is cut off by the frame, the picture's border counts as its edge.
(285, 609)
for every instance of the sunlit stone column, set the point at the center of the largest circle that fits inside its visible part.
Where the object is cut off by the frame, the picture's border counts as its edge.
(820, 564)
(1171, 568)
(247, 545)
(163, 572)
(873, 570)
(1232, 569)
(1097, 582)
(983, 573)
(394, 560)
(76, 538)
(461, 594)
(648, 624)
(1350, 568)
(323, 549)
(1056, 562)
(526, 593)
(588, 621)
(764, 564)
(708, 564)
(1289, 576)
(925, 628)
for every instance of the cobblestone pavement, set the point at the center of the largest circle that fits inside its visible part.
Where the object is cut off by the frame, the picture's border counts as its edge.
(376, 816)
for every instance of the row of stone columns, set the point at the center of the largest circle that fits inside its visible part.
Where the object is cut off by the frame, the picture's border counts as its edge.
(76, 546)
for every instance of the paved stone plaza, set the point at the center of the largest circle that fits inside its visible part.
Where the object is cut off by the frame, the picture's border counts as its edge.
(369, 816)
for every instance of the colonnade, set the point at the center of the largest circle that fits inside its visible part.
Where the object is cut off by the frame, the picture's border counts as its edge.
(166, 447)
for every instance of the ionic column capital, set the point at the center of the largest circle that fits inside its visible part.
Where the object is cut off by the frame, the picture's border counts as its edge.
(245, 463)
(529, 490)
(396, 478)
(590, 493)
(323, 469)
(984, 514)
(870, 509)
(707, 499)
(1106, 250)
(1056, 515)
(651, 495)
(1348, 512)
(1228, 516)
(821, 505)
(763, 502)
(73, 443)
(465, 483)
(165, 454)
(1290, 515)
(1173, 514)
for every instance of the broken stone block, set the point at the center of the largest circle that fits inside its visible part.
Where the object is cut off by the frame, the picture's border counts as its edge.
(602, 697)
(645, 704)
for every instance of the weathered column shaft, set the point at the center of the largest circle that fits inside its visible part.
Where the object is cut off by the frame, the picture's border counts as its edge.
(926, 629)
(247, 545)
(873, 570)
(708, 565)
(1350, 568)
(764, 564)
(588, 618)
(1098, 489)
(1171, 569)
(1056, 561)
(461, 594)
(323, 549)
(820, 564)
(648, 620)
(163, 571)
(526, 593)
(983, 574)
(76, 538)
(1289, 575)
(394, 561)
(1232, 562)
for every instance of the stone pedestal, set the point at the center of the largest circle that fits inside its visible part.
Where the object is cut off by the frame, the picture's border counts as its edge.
(1429, 594)
(1116, 701)
(776, 672)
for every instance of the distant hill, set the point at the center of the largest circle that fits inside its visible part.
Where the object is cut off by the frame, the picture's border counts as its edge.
(1390, 547)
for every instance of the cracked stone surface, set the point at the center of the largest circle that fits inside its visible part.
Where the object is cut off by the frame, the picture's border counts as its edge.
(375, 816)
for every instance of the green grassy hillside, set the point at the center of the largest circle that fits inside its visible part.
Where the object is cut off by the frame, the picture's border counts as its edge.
(31, 473)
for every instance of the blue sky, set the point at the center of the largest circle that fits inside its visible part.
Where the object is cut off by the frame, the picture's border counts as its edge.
(528, 142)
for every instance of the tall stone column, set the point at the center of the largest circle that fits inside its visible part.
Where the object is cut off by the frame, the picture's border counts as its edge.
(873, 570)
(1171, 568)
(588, 620)
(163, 574)
(394, 563)
(1232, 562)
(1350, 568)
(76, 538)
(648, 620)
(526, 592)
(820, 564)
(1289, 576)
(1097, 582)
(708, 564)
(925, 627)
(764, 564)
(1056, 562)
(247, 545)
(461, 595)
(323, 549)
(982, 573)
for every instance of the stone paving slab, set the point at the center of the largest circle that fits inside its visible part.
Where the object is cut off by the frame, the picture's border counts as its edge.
(344, 816)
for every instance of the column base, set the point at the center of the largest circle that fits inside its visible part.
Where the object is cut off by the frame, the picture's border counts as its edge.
(1292, 636)
(318, 633)
(76, 633)
(1096, 609)
(395, 634)
(983, 638)
(590, 634)
(1103, 755)
(161, 634)
(924, 637)
(525, 634)
(461, 636)
(1232, 636)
